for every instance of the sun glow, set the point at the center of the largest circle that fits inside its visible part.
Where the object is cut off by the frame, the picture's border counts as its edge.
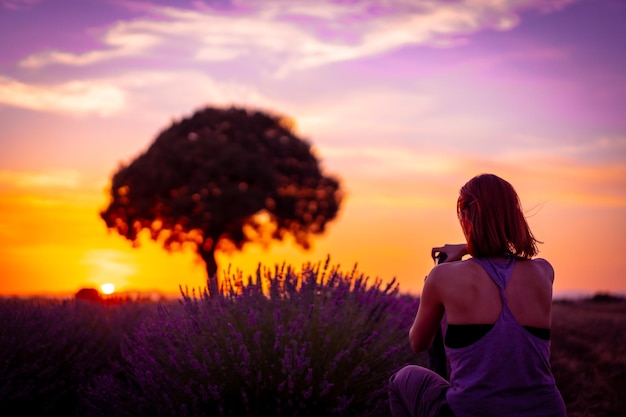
(107, 288)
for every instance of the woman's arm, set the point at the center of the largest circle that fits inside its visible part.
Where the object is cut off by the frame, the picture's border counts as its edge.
(453, 252)
(429, 313)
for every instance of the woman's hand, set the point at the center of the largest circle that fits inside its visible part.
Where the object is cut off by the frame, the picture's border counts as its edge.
(452, 252)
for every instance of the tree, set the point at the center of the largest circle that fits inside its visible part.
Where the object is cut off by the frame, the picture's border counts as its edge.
(220, 179)
(88, 294)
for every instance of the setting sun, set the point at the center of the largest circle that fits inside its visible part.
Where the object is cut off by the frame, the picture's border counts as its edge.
(107, 288)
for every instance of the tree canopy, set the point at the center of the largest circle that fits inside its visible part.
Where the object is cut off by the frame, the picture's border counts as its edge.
(220, 179)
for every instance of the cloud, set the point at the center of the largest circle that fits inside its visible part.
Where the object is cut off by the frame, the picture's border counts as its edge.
(582, 185)
(108, 265)
(51, 179)
(123, 39)
(146, 91)
(371, 113)
(77, 97)
(193, 86)
(389, 161)
(389, 175)
(17, 4)
(602, 149)
(558, 178)
(294, 35)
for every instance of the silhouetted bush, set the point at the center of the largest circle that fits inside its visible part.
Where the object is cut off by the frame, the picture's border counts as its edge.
(88, 294)
(605, 298)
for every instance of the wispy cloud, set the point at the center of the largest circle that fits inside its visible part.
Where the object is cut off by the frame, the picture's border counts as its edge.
(123, 40)
(51, 179)
(147, 90)
(560, 178)
(389, 161)
(395, 175)
(606, 147)
(294, 35)
(108, 265)
(17, 4)
(194, 87)
(76, 97)
(602, 149)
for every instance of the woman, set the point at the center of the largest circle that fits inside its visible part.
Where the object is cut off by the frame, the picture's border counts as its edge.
(498, 311)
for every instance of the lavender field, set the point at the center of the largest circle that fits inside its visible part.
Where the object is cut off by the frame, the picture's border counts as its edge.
(284, 343)
(589, 355)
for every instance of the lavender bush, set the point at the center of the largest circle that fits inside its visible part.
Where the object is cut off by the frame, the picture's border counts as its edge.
(283, 343)
(49, 349)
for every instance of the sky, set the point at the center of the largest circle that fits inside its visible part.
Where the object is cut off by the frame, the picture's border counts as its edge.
(403, 100)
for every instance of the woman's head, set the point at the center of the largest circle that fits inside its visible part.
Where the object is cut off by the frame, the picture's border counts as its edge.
(492, 219)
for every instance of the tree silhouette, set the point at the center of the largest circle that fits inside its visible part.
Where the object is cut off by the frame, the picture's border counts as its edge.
(88, 294)
(220, 179)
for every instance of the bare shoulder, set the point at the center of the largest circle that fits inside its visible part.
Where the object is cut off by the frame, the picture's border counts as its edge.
(542, 268)
(446, 269)
(452, 274)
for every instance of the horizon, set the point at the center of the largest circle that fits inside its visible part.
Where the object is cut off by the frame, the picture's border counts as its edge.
(403, 102)
(157, 295)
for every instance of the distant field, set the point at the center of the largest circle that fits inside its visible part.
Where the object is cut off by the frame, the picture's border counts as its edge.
(589, 356)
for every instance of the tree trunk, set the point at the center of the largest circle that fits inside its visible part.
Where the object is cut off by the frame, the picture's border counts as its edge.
(208, 256)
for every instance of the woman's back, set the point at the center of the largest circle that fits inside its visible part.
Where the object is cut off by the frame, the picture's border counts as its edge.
(506, 369)
(470, 296)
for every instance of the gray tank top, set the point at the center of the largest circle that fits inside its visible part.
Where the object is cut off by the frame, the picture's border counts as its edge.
(507, 372)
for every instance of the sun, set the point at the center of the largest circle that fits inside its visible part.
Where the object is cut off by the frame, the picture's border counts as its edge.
(107, 288)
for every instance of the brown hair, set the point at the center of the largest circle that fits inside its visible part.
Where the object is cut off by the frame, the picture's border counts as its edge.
(492, 219)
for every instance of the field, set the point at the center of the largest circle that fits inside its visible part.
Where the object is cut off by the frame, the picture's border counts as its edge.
(318, 344)
(589, 356)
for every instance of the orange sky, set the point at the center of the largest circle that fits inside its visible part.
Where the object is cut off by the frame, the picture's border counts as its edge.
(404, 107)
(55, 242)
